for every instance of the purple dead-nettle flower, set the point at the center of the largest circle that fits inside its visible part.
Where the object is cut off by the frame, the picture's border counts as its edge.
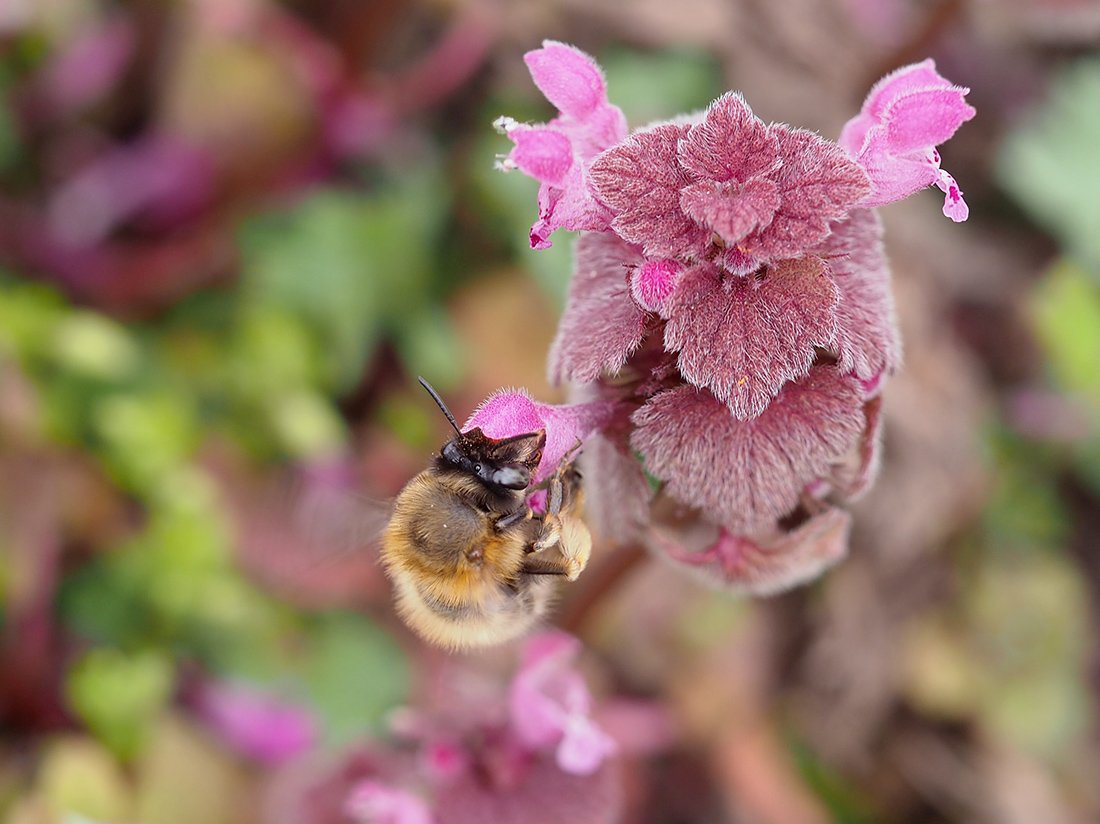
(538, 756)
(894, 137)
(733, 298)
(510, 412)
(559, 153)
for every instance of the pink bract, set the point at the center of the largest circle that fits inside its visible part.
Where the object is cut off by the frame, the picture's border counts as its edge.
(747, 474)
(765, 327)
(729, 189)
(558, 154)
(894, 137)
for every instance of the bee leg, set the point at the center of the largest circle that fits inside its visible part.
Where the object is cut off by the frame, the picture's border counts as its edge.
(550, 530)
(513, 518)
(541, 565)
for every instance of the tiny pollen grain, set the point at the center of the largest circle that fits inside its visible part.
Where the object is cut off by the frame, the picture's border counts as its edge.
(742, 380)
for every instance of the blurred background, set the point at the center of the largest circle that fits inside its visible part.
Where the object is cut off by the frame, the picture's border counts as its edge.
(233, 232)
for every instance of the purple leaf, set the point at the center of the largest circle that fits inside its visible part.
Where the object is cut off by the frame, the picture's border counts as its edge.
(746, 474)
(731, 144)
(640, 179)
(744, 337)
(602, 325)
(731, 209)
(818, 183)
(854, 477)
(867, 338)
(765, 566)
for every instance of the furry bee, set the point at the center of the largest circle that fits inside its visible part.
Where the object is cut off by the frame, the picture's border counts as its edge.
(471, 563)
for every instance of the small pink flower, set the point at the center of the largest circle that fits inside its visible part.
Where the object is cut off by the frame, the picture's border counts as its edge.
(551, 707)
(373, 802)
(558, 154)
(256, 723)
(894, 137)
(508, 413)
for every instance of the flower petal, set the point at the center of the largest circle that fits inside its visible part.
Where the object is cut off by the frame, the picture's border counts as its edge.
(601, 326)
(568, 77)
(542, 153)
(746, 474)
(925, 118)
(744, 337)
(640, 179)
(901, 81)
(652, 283)
(508, 413)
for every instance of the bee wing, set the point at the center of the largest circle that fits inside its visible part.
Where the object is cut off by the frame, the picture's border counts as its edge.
(311, 539)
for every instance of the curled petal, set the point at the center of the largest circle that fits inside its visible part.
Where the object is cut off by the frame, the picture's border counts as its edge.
(508, 413)
(544, 154)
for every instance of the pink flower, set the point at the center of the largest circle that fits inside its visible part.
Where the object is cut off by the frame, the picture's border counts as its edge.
(507, 413)
(551, 707)
(256, 723)
(558, 153)
(373, 802)
(734, 302)
(730, 190)
(894, 137)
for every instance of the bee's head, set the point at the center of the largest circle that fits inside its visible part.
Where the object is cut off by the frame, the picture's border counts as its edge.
(508, 463)
(504, 463)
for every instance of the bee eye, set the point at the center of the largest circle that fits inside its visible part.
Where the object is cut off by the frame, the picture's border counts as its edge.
(477, 468)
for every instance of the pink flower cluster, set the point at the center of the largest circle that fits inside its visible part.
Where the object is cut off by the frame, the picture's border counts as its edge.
(543, 759)
(731, 298)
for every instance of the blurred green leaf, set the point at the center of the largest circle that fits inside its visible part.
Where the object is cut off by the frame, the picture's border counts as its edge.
(1048, 164)
(352, 265)
(651, 86)
(1066, 311)
(118, 695)
(355, 674)
(95, 345)
(145, 436)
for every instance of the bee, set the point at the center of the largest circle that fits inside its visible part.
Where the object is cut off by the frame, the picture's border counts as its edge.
(471, 563)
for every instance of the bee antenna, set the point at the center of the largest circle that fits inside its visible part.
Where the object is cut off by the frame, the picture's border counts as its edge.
(439, 402)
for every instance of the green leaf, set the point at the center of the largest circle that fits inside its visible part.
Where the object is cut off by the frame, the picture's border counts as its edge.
(1046, 164)
(650, 86)
(355, 675)
(1066, 311)
(118, 695)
